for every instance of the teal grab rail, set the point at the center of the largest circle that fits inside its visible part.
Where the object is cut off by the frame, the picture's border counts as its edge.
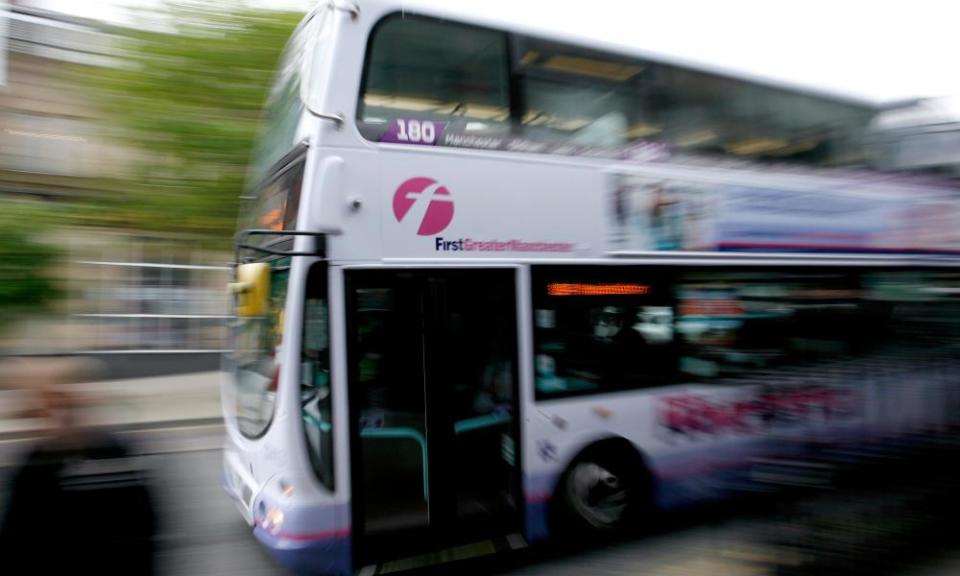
(459, 427)
(317, 421)
(408, 433)
(478, 422)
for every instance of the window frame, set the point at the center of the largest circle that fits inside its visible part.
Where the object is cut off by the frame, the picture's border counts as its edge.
(741, 276)
(235, 365)
(672, 277)
(318, 284)
(509, 46)
(288, 166)
(660, 278)
(292, 161)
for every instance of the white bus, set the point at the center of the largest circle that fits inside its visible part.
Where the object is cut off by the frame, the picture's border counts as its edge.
(917, 135)
(492, 282)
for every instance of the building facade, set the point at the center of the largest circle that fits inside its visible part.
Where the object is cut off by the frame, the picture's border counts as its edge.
(125, 291)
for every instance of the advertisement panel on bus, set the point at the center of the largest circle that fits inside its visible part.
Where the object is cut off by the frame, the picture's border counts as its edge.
(650, 214)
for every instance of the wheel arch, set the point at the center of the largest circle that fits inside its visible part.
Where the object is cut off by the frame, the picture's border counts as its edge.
(606, 446)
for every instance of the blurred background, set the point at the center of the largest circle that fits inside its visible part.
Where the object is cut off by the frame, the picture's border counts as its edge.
(123, 146)
(125, 131)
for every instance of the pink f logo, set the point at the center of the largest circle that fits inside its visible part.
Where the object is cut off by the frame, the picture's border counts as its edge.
(433, 200)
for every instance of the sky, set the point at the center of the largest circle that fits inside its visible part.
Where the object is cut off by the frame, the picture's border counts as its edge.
(879, 51)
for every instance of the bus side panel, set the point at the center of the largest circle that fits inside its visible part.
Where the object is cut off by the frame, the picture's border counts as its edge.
(345, 201)
(446, 208)
(687, 466)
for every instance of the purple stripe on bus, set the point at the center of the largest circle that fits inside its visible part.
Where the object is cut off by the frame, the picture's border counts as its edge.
(325, 556)
(307, 536)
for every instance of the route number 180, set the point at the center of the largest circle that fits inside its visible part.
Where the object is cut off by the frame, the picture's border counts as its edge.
(416, 131)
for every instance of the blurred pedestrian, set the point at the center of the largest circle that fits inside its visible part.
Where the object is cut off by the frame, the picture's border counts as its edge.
(78, 504)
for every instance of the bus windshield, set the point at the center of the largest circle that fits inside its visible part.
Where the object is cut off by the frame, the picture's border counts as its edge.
(256, 341)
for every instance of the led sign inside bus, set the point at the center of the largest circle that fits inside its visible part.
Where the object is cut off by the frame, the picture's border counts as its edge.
(577, 289)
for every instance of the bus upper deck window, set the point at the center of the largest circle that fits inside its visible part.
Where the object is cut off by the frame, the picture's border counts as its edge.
(422, 69)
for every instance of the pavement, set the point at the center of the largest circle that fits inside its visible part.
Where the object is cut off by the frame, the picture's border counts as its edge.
(137, 403)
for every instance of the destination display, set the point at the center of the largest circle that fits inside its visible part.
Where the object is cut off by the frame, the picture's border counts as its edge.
(457, 134)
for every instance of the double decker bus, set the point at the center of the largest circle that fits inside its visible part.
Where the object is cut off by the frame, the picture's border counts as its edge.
(496, 282)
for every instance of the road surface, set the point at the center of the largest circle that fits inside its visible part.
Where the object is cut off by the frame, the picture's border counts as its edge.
(203, 535)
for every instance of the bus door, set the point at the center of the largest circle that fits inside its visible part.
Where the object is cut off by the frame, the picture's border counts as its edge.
(433, 394)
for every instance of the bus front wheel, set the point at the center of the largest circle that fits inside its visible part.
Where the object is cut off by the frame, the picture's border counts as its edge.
(604, 490)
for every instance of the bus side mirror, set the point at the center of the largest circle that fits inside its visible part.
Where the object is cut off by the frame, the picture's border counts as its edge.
(252, 289)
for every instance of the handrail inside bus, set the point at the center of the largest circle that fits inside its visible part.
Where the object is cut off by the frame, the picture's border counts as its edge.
(475, 423)
(408, 433)
(318, 422)
(415, 435)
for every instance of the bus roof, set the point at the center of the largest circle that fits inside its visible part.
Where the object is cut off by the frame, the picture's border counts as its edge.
(920, 113)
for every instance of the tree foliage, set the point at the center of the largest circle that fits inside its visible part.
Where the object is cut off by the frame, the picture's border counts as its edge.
(25, 260)
(188, 98)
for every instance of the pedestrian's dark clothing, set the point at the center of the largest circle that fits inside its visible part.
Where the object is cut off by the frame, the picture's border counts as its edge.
(83, 509)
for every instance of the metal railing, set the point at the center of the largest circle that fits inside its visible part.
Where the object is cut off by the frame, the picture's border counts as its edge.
(148, 307)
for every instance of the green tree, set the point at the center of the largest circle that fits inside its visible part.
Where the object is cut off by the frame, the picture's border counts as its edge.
(188, 98)
(25, 261)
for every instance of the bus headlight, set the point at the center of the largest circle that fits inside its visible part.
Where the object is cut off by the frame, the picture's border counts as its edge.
(273, 520)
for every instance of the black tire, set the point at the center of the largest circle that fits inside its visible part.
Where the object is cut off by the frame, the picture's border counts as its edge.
(605, 491)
